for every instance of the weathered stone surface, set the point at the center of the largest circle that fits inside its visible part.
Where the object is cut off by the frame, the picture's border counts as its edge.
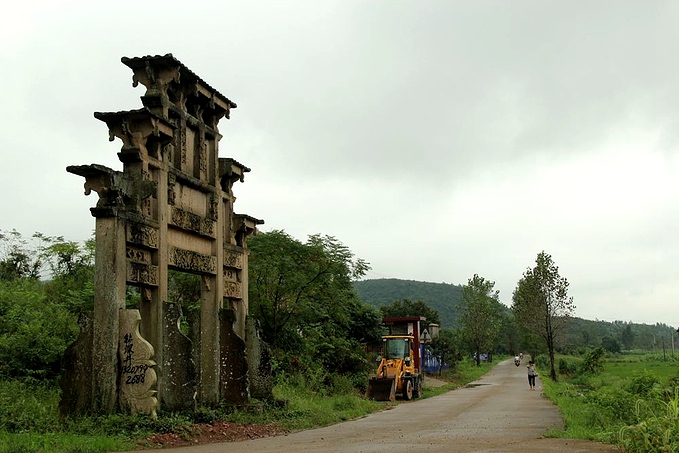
(234, 367)
(188, 260)
(181, 379)
(142, 274)
(170, 208)
(76, 371)
(193, 222)
(233, 257)
(137, 375)
(142, 235)
(260, 372)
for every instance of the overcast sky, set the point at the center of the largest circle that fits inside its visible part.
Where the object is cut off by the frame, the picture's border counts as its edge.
(436, 139)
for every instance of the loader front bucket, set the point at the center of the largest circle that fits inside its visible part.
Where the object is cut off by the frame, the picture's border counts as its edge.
(382, 389)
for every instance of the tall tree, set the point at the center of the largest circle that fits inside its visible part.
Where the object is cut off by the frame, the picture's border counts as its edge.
(17, 260)
(627, 336)
(445, 347)
(303, 297)
(480, 314)
(407, 307)
(542, 305)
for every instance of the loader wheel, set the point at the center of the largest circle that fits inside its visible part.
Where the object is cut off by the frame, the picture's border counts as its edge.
(408, 390)
(417, 390)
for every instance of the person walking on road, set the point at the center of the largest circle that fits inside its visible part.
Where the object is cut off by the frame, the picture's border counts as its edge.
(531, 374)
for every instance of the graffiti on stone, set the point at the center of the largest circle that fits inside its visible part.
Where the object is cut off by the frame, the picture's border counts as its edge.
(137, 373)
(143, 233)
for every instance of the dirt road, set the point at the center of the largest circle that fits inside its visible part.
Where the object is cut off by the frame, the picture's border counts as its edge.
(497, 413)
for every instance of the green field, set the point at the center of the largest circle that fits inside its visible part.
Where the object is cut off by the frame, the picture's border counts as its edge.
(631, 401)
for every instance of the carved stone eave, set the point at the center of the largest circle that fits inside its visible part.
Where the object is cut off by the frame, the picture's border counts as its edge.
(116, 191)
(231, 171)
(167, 78)
(142, 132)
(246, 224)
(111, 186)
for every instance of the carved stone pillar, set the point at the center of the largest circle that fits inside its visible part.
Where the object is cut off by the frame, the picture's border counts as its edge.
(109, 298)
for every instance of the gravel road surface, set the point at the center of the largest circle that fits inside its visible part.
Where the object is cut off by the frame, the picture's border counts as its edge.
(497, 413)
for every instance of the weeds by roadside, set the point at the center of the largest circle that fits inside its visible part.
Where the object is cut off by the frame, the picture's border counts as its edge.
(619, 402)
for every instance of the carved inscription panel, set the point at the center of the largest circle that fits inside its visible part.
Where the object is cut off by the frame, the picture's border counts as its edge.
(192, 222)
(191, 261)
(232, 283)
(142, 235)
(141, 274)
(233, 258)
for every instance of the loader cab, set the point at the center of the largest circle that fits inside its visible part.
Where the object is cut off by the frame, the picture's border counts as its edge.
(396, 348)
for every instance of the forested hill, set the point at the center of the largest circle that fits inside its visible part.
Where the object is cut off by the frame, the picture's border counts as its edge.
(442, 297)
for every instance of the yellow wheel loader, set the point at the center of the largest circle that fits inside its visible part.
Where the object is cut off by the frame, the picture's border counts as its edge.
(398, 370)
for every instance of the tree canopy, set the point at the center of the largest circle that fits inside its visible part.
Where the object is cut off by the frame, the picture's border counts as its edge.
(541, 303)
(480, 315)
(407, 307)
(303, 297)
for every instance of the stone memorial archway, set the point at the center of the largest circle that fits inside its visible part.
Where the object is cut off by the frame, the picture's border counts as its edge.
(171, 208)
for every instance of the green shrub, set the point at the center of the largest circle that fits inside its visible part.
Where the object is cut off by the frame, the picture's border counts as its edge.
(33, 333)
(593, 362)
(643, 384)
(542, 361)
(567, 367)
(613, 404)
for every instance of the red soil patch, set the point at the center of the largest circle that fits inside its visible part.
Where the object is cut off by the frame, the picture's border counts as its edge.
(219, 431)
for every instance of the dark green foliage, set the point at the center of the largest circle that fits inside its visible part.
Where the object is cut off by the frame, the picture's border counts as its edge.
(541, 361)
(656, 429)
(38, 318)
(612, 403)
(567, 367)
(510, 339)
(627, 337)
(579, 334)
(541, 304)
(303, 297)
(643, 384)
(407, 307)
(593, 362)
(611, 344)
(17, 260)
(625, 404)
(446, 347)
(440, 297)
(480, 315)
(33, 332)
(71, 268)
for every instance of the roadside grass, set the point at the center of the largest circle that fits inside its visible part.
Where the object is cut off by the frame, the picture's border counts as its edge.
(30, 421)
(632, 403)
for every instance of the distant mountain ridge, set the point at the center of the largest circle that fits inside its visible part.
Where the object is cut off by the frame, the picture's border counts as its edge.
(442, 297)
(445, 298)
